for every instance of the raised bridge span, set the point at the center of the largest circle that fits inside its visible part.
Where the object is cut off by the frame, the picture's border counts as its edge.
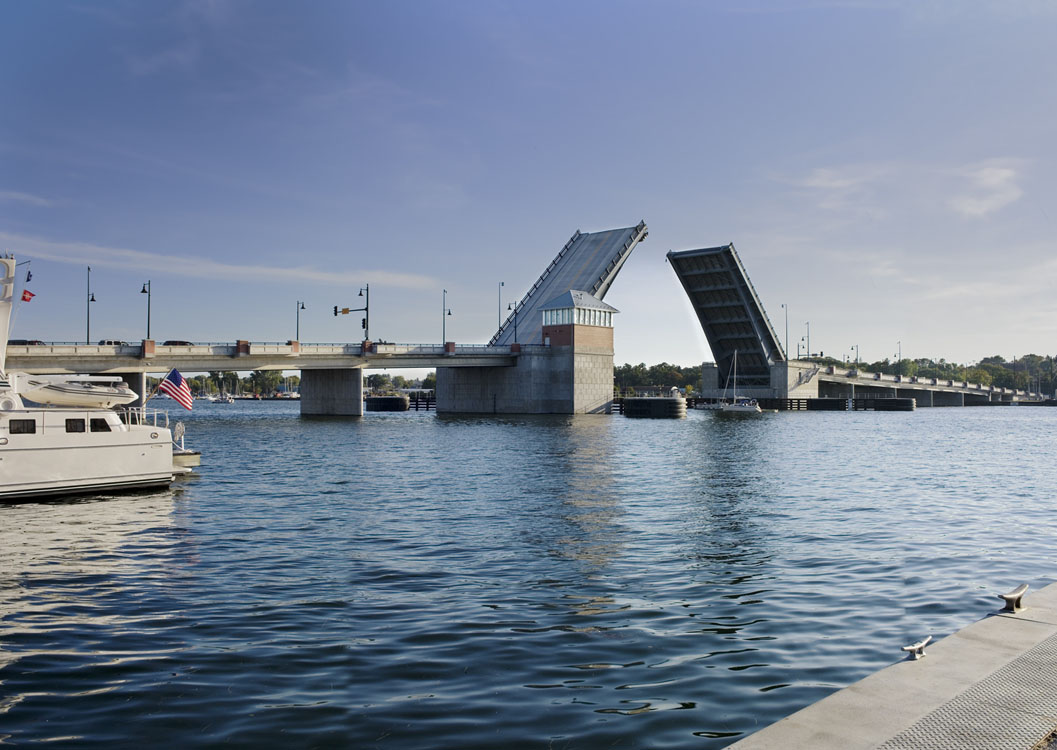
(735, 323)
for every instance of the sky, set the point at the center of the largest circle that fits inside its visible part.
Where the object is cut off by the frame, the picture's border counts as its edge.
(886, 170)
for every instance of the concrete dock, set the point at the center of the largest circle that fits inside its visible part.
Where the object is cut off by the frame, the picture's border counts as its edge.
(991, 685)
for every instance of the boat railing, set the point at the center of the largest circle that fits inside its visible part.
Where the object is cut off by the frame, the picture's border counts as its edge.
(138, 415)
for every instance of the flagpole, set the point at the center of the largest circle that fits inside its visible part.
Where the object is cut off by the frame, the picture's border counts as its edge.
(155, 391)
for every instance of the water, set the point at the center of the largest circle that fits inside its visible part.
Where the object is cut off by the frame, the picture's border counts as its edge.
(414, 581)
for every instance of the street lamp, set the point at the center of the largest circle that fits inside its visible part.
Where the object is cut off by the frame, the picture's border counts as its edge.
(514, 306)
(808, 324)
(146, 290)
(856, 348)
(88, 310)
(899, 358)
(499, 310)
(444, 314)
(299, 306)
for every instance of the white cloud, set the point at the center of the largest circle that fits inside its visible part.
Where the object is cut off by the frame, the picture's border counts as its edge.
(33, 200)
(197, 267)
(992, 186)
(880, 190)
(851, 188)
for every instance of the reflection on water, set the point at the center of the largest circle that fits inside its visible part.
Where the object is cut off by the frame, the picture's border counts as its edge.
(408, 580)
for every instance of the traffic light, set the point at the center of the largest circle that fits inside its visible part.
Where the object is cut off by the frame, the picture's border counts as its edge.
(335, 311)
(363, 323)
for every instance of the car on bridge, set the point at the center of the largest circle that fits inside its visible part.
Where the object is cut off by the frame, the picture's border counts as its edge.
(24, 342)
(174, 342)
(112, 342)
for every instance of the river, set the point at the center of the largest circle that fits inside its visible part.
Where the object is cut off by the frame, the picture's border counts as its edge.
(415, 581)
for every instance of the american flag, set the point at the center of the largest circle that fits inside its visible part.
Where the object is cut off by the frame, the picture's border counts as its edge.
(175, 386)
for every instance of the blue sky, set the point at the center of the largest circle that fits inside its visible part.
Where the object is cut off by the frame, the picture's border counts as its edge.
(885, 169)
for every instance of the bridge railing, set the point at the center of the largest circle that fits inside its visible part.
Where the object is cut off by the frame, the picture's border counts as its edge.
(856, 374)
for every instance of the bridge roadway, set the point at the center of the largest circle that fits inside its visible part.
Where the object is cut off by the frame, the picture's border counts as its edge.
(850, 381)
(65, 358)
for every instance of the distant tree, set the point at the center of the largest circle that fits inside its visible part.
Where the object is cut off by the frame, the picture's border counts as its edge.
(379, 382)
(978, 375)
(264, 382)
(430, 381)
(399, 381)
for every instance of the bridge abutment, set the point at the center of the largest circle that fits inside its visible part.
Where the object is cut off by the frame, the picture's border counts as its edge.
(332, 392)
(571, 373)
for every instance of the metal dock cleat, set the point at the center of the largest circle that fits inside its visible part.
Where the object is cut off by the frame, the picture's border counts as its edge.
(917, 650)
(1013, 598)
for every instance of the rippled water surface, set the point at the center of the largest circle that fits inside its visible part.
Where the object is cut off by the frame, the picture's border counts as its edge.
(414, 581)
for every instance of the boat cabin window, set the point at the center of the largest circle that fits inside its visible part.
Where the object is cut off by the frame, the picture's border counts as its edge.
(22, 426)
(100, 425)
(75, 425)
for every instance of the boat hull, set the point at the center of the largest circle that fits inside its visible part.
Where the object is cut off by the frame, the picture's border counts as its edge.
(50, 461)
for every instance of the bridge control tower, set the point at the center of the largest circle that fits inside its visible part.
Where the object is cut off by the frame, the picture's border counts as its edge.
(561, 333)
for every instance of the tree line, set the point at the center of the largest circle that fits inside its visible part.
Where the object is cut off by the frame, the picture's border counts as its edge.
(267, 383)
(639, 377)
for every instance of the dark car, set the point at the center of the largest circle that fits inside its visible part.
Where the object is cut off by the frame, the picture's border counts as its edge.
(24, 342)
(112, 342)
(174, 342)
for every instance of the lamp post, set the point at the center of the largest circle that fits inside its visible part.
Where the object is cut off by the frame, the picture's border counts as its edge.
(856, 348)
(499, 310)
(444, 314)
(899, 358)
(514, 306)
(88, 309)
(299, 306)
(808, 324)
(146, 290)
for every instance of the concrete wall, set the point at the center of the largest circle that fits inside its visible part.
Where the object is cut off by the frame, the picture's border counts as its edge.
(137, 381)
(788, 380)
(709, 378)
(332, 392)
(795, 379)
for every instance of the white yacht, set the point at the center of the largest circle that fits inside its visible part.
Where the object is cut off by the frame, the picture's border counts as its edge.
(75, 445)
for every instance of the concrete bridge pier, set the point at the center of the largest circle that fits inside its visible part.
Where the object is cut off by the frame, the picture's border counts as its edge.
(945, 398)
(137, 381)
(332, 392)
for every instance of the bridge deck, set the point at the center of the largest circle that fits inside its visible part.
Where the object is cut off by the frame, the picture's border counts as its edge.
(61, 359)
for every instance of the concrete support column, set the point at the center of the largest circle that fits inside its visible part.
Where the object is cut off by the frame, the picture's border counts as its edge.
(332, 392)
(137, 381)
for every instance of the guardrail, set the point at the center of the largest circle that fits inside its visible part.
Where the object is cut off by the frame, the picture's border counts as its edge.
(913, 380)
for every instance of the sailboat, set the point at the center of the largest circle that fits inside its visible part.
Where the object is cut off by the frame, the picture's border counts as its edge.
(740, 404)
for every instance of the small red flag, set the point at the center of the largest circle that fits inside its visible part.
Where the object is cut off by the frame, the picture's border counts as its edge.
(27, 295)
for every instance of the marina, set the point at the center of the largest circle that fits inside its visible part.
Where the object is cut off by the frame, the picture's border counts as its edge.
(579, 581)
(559, 376)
